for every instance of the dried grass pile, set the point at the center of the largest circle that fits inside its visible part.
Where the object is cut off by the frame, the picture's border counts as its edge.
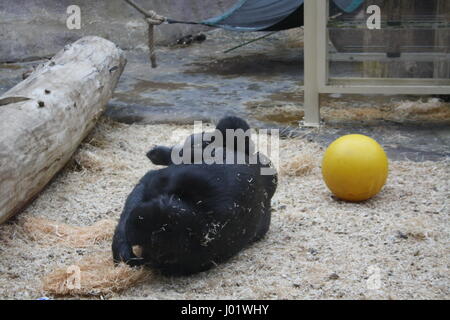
(288, 114)
(356, 114)
(50, 232)
(97, 276)
(298, 158)
(432, 109)
(300, 165)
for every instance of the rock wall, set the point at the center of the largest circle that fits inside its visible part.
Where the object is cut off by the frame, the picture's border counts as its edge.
(37, 28)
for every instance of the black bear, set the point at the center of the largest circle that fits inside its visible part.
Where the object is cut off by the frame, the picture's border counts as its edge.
(188, 217)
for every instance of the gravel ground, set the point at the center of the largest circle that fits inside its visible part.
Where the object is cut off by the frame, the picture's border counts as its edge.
(394, 246)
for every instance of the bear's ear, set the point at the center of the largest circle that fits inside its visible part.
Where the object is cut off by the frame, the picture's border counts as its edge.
(236, 123)
(160, 155)
(233, 123)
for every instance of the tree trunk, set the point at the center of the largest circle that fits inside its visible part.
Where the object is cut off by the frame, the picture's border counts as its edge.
(45, 117)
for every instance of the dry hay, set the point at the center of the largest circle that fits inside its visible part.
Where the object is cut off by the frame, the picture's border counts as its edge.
(87, 159)
(97, 276)
(328, 246)
(279, 109)
(354, 114)
(50, 232)
(97, 273)
(90, 160)
(298, 166)
(431, 110)
(288, 114)
(298, 158)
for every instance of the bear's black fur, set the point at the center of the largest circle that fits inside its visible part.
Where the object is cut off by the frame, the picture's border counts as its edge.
(186, 218)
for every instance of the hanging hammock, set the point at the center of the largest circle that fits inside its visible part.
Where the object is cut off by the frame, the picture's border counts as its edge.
(266, 15)
(245, 15)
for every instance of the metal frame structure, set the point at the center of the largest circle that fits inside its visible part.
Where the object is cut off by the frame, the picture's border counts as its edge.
(316, 69)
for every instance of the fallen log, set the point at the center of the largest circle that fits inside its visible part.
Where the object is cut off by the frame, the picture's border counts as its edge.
(44, 118)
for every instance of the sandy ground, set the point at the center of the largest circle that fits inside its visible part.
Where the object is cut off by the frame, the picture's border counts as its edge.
(395, 246)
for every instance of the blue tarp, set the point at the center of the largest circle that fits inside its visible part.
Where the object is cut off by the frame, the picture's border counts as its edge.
(348, 5)
(264, 15)
(253, 15)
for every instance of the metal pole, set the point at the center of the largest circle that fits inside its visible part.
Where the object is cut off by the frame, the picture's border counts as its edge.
(311, 104)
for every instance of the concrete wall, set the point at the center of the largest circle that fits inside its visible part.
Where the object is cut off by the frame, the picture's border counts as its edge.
(36, 28)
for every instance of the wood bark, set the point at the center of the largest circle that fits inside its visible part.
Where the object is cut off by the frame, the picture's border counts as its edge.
(44, 118)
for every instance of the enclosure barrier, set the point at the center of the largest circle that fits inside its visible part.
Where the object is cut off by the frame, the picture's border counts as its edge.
(317, 80)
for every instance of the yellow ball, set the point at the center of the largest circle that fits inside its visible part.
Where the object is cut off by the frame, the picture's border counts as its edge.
(355, 167)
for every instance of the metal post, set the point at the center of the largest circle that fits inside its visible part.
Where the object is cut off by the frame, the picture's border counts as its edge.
(311, 104)
(322, 39)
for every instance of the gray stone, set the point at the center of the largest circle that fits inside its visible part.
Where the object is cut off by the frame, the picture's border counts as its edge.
(30, 29)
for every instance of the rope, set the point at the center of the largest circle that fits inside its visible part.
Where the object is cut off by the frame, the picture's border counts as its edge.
(152, 22)
(251, 41)
(153, 19)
